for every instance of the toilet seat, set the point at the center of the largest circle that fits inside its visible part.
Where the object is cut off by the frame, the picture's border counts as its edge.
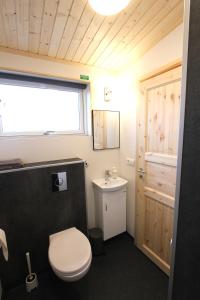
(70, 254)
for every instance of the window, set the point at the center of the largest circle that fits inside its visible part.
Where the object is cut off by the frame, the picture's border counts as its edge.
(33, 105)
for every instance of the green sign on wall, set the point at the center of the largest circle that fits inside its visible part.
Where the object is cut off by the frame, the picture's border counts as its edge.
(84, 77)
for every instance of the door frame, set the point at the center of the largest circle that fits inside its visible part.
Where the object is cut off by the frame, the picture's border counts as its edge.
(186, 28)
(163, 69)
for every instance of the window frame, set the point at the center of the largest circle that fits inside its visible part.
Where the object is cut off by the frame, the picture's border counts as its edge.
(50, 82)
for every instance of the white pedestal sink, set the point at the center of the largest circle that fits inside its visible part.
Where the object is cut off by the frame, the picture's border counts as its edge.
(110, 205)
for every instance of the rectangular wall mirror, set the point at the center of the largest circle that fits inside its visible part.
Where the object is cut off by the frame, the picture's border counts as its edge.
(106, 129)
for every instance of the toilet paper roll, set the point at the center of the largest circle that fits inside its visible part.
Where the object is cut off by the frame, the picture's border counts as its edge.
(3, 244)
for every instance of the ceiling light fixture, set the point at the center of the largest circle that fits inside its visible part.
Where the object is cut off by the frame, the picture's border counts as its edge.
(108, 7)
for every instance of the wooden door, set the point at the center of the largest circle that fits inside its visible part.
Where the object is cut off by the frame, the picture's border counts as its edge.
(157, 141)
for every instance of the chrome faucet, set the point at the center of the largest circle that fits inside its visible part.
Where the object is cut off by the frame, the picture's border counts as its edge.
(107, 175)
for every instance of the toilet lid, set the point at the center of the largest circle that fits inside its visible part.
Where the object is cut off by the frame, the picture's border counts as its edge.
(69, 251)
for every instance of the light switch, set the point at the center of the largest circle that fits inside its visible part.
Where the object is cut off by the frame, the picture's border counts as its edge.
(130, 161)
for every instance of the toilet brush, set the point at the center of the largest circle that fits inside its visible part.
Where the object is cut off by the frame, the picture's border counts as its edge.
(31, 279)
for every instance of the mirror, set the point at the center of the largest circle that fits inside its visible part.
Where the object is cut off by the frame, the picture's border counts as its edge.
(106, 129)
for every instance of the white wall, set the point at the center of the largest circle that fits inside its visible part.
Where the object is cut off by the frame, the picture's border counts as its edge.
(167, 50)
(126, 94)
(32, 149)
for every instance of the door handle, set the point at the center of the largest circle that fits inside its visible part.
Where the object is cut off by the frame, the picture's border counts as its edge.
(141, 172)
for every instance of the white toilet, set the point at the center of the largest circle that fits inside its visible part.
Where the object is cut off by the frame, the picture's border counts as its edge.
(70, 254)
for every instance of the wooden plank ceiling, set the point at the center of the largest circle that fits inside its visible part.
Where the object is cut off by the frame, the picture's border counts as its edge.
(72, 31)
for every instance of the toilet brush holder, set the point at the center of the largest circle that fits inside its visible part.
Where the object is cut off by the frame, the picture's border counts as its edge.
(31, 279)
(31, 282)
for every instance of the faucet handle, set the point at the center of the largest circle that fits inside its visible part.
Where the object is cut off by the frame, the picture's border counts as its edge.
(107, 172)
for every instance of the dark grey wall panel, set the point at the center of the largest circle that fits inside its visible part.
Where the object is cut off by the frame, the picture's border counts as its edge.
(186, 277)
(30, 212)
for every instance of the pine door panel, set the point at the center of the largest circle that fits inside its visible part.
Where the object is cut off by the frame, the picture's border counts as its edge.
(163, 104)
(158, 217)
(160, 177)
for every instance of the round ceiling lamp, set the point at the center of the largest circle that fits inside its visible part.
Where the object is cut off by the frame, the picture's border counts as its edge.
(108, 7)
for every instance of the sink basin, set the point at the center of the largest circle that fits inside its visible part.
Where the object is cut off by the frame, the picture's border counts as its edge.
(112, 184)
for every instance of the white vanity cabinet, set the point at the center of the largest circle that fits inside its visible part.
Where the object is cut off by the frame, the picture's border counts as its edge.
(110, 206)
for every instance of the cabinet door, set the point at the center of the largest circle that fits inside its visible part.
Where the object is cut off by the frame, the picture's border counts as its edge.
(114, 213)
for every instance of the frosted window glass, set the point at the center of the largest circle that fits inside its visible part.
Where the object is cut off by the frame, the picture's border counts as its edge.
(31, 110)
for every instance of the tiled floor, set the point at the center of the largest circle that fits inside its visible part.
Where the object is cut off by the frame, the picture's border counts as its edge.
(123, 273)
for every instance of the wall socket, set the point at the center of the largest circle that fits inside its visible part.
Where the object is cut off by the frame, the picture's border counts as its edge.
(130, 161)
